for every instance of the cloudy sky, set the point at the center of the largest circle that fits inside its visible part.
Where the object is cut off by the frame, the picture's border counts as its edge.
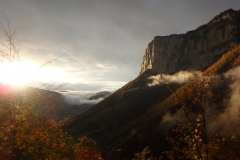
(98, 44)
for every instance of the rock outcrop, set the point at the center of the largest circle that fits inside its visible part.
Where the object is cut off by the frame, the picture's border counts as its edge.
(195, 50)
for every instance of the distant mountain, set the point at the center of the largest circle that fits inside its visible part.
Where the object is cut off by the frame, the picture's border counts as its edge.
(44, 101)
(54, 103)
(138, 114)
(102, 94)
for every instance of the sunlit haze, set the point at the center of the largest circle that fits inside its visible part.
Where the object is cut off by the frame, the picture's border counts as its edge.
(20, 73)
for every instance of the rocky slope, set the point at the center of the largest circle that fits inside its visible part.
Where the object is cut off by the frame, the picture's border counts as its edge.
(195, 50)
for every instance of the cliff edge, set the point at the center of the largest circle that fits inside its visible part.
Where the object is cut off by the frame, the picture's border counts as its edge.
(195, 50)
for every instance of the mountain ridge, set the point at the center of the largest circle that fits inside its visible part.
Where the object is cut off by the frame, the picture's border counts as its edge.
(134, 116)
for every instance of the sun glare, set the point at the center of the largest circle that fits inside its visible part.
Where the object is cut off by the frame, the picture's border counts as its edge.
(20, 73)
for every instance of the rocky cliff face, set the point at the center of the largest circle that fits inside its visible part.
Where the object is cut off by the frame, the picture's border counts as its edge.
(195, 50)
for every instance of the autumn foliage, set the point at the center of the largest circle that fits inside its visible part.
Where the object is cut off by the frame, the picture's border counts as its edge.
(86, 149)
(27, 134)
(193, 138)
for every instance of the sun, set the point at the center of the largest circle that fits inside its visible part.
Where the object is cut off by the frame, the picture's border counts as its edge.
(21, 73)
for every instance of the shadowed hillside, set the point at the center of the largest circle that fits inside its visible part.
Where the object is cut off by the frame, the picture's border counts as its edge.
(123, 106)
(137, 116)
(149, 130)
(108, 118)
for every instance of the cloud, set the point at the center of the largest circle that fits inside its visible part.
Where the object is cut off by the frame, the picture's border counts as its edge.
(233, 72)
(76, 97)
(228, 121)
(80, 97)
(179, 77)
(221, 118)
(109, 33)
(95, 101)
(169, 120)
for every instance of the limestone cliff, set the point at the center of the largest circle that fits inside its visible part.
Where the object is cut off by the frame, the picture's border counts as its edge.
(197, 49)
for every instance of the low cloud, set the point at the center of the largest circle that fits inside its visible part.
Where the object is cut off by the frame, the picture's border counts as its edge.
(179, 77)
(95, 101)
(79, 97)
(169, 120)
(233, 72)
(229, 120)
(222, 118)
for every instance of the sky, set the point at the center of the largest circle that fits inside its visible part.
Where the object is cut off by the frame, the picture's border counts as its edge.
(95, 45)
